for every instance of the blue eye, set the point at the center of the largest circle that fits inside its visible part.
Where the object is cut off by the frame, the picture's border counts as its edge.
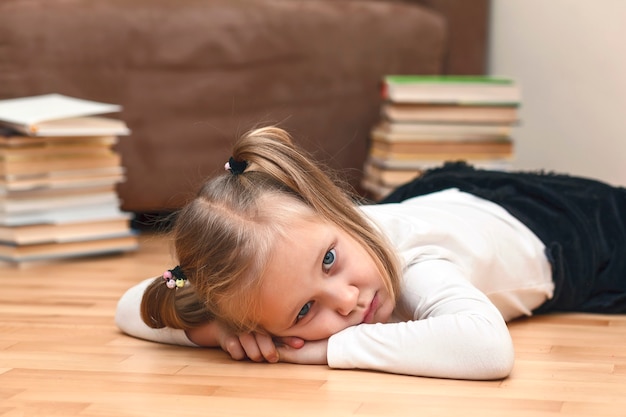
(304, 311)
(329, 259)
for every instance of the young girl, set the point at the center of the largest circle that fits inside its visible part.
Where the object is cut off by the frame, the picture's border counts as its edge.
(276, 262)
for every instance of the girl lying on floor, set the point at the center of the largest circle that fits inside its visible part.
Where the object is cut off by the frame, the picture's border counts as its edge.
(277, 263)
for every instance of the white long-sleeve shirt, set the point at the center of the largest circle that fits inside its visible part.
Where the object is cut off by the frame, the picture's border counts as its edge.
(468, 266)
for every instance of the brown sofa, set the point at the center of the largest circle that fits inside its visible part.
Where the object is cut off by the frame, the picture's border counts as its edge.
(192, 75)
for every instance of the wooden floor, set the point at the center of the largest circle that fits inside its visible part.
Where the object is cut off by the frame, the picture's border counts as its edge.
(61, 355)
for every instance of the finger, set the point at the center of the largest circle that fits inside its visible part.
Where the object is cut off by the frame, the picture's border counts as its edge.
(267, 347)
(232, 345)
(291, 341)
(249, 344)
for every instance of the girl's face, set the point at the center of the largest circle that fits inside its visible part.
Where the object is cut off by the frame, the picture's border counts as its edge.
(319, 281)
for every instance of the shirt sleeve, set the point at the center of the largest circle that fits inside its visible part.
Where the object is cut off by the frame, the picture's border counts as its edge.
(455, 331)
(128, 319)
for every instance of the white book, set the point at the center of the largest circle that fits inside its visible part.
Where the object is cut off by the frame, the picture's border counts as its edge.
(60, 115)
(69, 202)
(63, 215)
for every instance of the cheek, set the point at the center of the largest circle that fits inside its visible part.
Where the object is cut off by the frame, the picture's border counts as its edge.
(368, 274)
(366, 266)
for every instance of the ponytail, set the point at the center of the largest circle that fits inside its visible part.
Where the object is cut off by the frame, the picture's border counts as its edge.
(271, 150)
(178, 308)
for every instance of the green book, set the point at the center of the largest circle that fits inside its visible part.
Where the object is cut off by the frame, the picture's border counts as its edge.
(451, 90)
(448, 79)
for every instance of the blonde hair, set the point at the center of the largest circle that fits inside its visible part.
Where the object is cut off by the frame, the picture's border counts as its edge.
(224, 236)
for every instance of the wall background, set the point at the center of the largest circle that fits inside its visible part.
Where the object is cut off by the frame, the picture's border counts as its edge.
(570, 58)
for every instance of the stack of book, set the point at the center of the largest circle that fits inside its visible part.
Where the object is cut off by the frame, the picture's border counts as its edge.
(58, 171)
(429, 120)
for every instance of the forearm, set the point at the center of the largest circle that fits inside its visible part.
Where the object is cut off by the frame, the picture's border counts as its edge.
(459, 347)
(254, 346)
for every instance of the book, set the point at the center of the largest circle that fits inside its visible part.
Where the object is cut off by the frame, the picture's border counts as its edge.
(36, 193)
(445, 129)
(470, 147)
(431, 113)
(65, 232)
(56, 250)
(405, 132)
(86, 212)
(59, 115)
(438, 156)
(39, 202)
(78, 126)
(479, 161)
(390, 177)
(441, 89)
(23, 156)
(61, 150)
(10, 139)
(63, 180)
(30, 167)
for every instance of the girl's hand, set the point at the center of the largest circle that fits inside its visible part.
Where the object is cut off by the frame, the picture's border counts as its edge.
(309, 353)
(256, 346)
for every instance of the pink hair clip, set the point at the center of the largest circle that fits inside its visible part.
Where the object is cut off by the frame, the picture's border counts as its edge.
(174, 278)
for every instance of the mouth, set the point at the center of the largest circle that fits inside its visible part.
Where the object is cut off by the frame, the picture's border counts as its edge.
(371, 310)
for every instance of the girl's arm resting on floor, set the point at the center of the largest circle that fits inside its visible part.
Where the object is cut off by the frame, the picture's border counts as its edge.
(456, 332)
(257, 347)
(128, 319)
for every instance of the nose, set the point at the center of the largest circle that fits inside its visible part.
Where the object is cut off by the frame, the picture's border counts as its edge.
(343, 298)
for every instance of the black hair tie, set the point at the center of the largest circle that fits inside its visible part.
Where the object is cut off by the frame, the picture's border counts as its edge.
(235, 167)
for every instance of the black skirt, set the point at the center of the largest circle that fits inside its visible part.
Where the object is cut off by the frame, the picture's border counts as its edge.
(580, 221)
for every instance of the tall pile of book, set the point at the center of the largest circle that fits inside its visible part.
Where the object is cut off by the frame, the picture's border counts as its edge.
(58, 171)
(429, 120)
